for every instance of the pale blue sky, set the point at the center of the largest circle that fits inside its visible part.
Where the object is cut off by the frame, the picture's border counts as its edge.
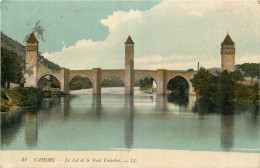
(66, 22)
(170, 35)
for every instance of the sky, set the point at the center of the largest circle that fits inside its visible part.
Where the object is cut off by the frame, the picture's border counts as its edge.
(167, 34)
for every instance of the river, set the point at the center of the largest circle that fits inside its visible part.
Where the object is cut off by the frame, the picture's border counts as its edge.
(112, 121)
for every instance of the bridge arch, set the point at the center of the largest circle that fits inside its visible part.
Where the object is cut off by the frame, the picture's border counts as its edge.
(174, 76)
(111, 74)
(145, 74)
(51, 74)
(152, 88)
(112, 80)
(82, 74)
(183, 77)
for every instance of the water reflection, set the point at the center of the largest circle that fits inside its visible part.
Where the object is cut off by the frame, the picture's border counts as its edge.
(48, 103)
(66, 105)
(204, 105)
(124, 121)
(129, 121)
(31, 129)
(96, 104)
(181, 100)
(10, 125)
(227, 132)
(161, 103)
(255, 120)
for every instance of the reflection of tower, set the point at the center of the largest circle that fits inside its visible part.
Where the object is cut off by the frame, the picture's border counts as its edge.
(96, 103)
(31, 52)
(66, 105)
(161, 102)
(129, 121)
(254, 124)
(227, 131)
(228, 54)
(31, 129)
(129, 66)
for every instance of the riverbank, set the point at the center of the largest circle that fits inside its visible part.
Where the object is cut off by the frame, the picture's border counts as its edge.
(16, 98)
(141, 158)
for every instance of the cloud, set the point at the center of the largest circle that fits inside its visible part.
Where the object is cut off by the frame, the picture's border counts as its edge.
(172, 35)
(119, 17)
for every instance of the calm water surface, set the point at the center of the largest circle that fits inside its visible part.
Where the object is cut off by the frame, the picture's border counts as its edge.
(115, 121)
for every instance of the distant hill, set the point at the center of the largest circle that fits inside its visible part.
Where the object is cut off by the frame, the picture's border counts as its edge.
(214, 70)
(19, 49)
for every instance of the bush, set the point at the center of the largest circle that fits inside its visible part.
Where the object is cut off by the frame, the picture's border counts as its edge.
(3, 96)
(25, 97)
(205, 83)
(5, 105)
(243, 92)
(223, 88)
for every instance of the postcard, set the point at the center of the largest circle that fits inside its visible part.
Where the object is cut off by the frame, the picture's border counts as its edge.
(147, 84)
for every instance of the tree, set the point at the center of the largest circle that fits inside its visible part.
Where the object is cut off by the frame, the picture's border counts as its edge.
(178, 85)
(80, 82)
(251, 70)
(236, 75)
(146, 82)
(11, 67)
(225, 87)
(205, 83)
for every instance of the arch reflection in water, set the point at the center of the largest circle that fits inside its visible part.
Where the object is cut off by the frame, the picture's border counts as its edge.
(227, 132)
(48, 103)
(31, 130)
(129, 121)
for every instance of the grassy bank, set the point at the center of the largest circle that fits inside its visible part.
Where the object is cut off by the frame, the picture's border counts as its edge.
(15, 98)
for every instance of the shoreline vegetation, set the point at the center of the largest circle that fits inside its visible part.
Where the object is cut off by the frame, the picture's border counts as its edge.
(224, 86)
(17, 98)
(218, 93)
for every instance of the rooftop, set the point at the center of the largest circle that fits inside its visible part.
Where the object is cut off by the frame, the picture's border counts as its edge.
(228, 40)
(32, 38)
(129, 40)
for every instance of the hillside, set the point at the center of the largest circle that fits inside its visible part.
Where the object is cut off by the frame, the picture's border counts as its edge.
(214, 69)
(19, 49)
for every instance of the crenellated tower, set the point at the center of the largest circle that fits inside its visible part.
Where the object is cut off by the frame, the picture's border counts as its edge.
(129, 66)
(31, 52)
(228, 54)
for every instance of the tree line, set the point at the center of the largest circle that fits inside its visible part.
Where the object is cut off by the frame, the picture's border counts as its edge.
(221, 89)
(12, 66)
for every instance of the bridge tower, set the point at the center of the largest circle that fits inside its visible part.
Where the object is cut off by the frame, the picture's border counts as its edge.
(31, 52)
(129, 66)
(228, 54)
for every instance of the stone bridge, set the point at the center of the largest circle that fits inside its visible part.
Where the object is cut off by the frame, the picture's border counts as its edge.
(35, 70)
(161, 77)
